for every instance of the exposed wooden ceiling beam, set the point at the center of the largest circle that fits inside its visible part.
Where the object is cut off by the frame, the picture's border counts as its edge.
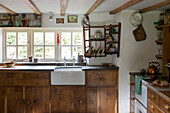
(158, 5)
(33, 6)
(126, 5)
(63, 5)
(94, 6)
(7, 9)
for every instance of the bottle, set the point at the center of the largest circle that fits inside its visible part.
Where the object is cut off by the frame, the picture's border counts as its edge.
(157, 23)
(160, 21)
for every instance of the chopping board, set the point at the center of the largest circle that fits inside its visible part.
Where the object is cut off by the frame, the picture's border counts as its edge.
(139, 33)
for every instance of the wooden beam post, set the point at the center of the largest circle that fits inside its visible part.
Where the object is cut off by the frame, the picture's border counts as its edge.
(33, 6)
(63, 6)
(7, 9)
(158, 5)
(94, 6)
(126, 5)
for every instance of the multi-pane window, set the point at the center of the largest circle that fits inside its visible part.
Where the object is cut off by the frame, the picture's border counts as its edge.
(71, 44)
(16, 45)
(44, 45)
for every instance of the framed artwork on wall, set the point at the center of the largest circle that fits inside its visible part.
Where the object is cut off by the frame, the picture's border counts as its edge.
(72, 18)
(59, 20)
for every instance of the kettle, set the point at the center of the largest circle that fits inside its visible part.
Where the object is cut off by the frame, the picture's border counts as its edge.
(154, 69)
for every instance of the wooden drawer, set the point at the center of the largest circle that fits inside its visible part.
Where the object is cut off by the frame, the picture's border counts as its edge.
(132, 102)
(27, 78)
(132, 94)
(153, 108)
(132, 109)
(101, 78)
(36, 75)
(165, 105)
(10, 75)
(132, 79)
(153, 96)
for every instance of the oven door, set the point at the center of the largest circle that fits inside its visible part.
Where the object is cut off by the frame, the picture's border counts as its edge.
(139, 108)
(143, 97)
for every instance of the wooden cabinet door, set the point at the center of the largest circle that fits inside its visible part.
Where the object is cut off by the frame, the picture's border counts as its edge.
(37, 100)
(107, 100)
(67, 99)
(62, 99)
(91, 94)
(11, 100)
(79, 100)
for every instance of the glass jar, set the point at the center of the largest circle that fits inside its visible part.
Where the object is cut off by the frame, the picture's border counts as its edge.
(165, 18)
(168, 18)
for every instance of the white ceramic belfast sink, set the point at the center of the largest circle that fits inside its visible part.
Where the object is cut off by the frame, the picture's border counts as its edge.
(68, 75)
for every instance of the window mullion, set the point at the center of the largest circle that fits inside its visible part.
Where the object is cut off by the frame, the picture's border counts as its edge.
(71, 45)
(16, 45)
(44, 43)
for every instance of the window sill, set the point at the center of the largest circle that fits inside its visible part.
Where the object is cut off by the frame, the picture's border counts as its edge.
(49, 63)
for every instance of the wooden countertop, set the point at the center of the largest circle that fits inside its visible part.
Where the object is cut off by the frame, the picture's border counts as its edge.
(28, 68)
(163, 92)
(52, 68)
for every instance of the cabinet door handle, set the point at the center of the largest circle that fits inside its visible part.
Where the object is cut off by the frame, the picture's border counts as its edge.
(166, 106)
(91, 101)
(28, 102)
(101, 78)
(80, 101)
(10, 82)
(152, 96)
(152, 107)
(36, 82)
(18, 102)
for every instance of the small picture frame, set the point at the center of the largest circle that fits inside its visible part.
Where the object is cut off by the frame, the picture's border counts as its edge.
(59, 20)
(72, 18)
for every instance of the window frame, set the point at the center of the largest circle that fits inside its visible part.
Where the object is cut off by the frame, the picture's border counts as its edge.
(72, 45)
(43, 45)
(30, 44)
(5, 45)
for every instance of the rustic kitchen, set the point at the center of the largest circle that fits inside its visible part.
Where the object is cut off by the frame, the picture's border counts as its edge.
(85, 56)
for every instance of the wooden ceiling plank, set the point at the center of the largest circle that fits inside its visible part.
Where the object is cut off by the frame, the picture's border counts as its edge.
(94, 6)
(7, 9)
(33, 6)
(63, 6)
(158, 5)
(126, 5)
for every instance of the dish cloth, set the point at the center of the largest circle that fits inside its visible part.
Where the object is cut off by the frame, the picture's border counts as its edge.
(138, 83)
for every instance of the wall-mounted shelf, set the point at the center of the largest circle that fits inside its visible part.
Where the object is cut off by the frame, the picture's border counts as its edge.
(159, 42)
(159, 56)
(21, 20)
(102, 47)
(165, 43)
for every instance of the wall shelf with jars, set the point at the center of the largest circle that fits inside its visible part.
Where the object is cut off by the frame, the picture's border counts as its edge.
(163, 45)
(21, 20)
(100, 41)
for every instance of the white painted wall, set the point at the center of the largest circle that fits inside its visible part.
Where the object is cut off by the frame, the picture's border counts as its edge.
(95, 19)
(47, 23)
(133, 55)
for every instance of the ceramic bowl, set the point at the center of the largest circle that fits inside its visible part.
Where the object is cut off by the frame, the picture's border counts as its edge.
(106, 64)
(9, 64)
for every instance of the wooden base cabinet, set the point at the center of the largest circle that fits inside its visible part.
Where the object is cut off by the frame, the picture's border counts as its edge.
(30, 92)
(24, 100)
(75, 99)
(11, 100)
(65, 99)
